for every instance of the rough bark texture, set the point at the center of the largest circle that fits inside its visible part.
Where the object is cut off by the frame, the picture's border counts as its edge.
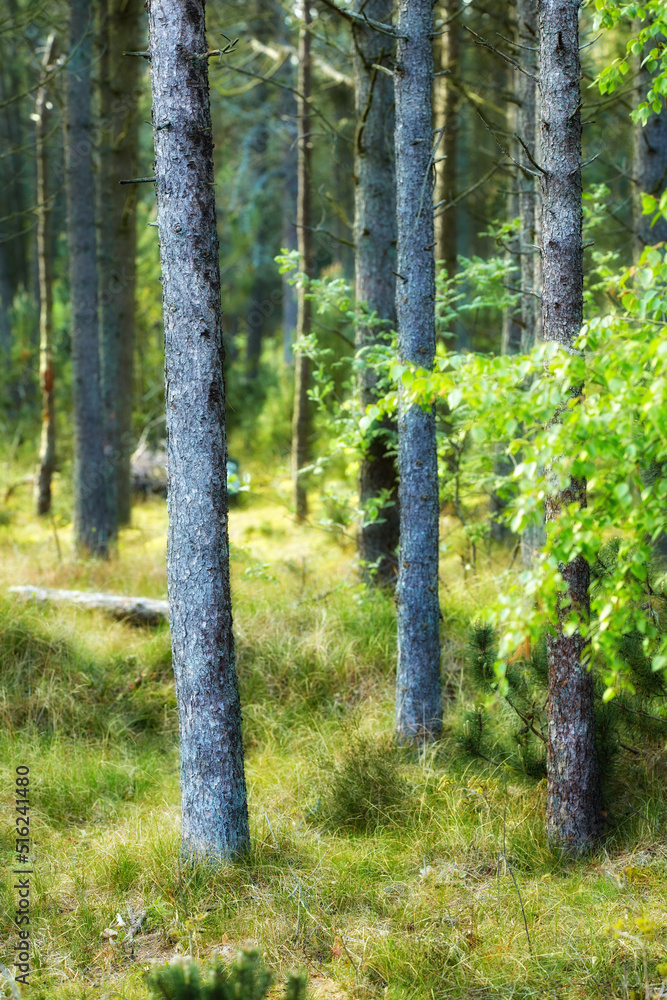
(90, 507)
(213, 791)
(120, 30)
(302, 419)
(530, 208)
(650, 162)
(418, 689)
(446, 100)
(573, 780)
(375, 263)
(47, 448)
(527, 32)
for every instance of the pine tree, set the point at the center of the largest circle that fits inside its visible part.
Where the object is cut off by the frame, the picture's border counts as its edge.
(90, 502)
(246, 979)
(302, 418)
(573, 786)
(418, 686)
(375, 263)
(47, 447)
(213, 791)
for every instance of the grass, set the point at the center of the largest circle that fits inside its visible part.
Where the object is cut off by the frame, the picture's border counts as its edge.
(383, 873)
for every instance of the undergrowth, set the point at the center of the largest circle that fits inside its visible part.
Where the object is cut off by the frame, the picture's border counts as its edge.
(381, 872)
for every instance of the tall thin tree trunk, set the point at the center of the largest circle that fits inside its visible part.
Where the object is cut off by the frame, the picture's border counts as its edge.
(573, 779)
(120, 30)
(418, 688)
(446, 114)
(302, 420)
(90, 508)
(375, 263)
(526, 15)
(47, 447)
(530, 208)
(213, 791)
(650, 163)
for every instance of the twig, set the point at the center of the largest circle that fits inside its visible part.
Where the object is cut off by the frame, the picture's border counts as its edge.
(487, 45)
(509, 867)
(367, 22)
(139, 180)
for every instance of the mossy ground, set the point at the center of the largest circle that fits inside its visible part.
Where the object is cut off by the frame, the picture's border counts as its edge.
(400, 878)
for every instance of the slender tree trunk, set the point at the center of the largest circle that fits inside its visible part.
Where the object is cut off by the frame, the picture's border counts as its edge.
(120, 30)
(90, 508)
(302, 420)
(573, 780)
(375, 263)
(446, 111)
(213, 791)
(527, 32)
(650, 163)
(530, 208)
(418, 689)
(47, 448)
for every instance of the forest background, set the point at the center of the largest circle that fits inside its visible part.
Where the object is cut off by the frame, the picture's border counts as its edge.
(380, 869)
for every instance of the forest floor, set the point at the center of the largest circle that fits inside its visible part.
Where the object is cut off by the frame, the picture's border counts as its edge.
(382, 873)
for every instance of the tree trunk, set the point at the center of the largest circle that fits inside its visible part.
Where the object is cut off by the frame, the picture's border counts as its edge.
(573, 780)
(90, 508)
(302, 419)
(47, 448)
(375, 263)
(526, 15)
(213, 791)
(446, 117)
(120, 30)
(650, 162)
(530, 208)
(418, 690)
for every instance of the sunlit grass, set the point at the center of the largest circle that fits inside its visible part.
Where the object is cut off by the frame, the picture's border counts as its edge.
(404, 881)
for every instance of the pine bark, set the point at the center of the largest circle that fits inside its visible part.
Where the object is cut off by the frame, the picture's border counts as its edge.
(446, 118)
(213, 791)
(47, 448)
(573, 779)
(418, 688)
(90, 507)
(527, 37)
(302, 418)
(120, 30)
(650, 163)
(375, 263)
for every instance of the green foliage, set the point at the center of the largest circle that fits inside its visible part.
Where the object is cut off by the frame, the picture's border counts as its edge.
(512, 734)
(364, 784)
(611, 438)
(645, 41)
(246, 979)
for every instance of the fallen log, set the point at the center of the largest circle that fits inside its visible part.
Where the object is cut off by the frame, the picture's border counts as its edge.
(137, 610)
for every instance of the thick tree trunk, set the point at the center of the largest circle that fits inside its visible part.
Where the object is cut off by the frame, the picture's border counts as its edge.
(90, 508)
(213, 791)
(120, 30)
(650, 164)
(573, 780)
(418, 689)
(375, 263)
(47, 448)
(302, 419)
